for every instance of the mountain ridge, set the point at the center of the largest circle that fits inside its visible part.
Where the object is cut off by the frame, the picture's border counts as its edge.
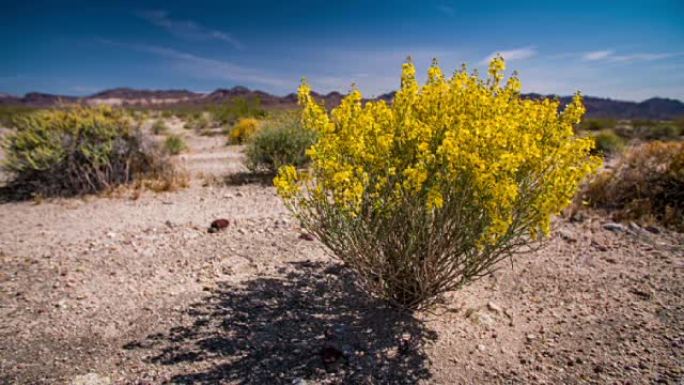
(652, 108)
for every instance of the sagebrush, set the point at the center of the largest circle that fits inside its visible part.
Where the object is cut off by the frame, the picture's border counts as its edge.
(282, 141)
(426, 194)
(78, 150)
(607, 142)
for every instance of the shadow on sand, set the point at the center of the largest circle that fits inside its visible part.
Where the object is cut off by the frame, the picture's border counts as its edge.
(313, 324)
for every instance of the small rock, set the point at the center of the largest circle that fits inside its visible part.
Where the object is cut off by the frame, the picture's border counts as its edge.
(493, 307)
(218, 225)
(567, 235)
(577, 217)
(599, 246)
(481, 318)
(299, 381)
(481, 348)
(652, 229)
(634, 227)
(91, 379)
(306, 236)
(614, 227)
(531, 337)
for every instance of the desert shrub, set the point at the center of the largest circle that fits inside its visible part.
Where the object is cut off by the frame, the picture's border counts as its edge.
(243, 130)
(167, 114)
(159, 127)
(9, 113)
(662, 131)
(78, 150)
(607, 142)
(679, 123)
(282, 141)
(174, 144)
(646, 185)
(425, 195)
(201, 123)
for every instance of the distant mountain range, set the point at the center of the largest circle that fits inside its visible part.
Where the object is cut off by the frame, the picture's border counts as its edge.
(654, 108)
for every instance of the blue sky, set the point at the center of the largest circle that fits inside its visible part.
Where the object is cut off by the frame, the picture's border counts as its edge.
(628, 50)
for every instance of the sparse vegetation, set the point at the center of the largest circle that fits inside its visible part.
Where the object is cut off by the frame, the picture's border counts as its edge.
(237, 108)
(607, 142)
(243, 130)
(597, 124)
(9, 113)
(282, 141)
(79, 150)
(428, 194)
(646, 185)
(159, 127)
(174, 144)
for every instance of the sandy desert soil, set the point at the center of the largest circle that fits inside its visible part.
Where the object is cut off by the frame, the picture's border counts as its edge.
(114, 290)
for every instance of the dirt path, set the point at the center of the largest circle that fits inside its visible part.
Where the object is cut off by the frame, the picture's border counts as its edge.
(120, 291)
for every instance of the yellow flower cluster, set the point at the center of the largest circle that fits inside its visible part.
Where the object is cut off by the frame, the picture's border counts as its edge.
(517, 159)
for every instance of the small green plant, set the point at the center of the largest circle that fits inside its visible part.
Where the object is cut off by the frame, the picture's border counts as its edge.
(607, 142)
(78, 150)
(174, 144)
(282, 141)
(159, 127)
(243, 130)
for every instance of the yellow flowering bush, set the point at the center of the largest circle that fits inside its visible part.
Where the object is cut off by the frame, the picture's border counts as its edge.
(428, 193)
(244, 129)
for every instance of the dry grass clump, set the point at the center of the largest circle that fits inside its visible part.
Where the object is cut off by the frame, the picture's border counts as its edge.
(646, 185)
(174, 144)
(159, 127)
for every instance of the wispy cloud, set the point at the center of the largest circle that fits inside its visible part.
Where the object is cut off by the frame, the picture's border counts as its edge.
(207, 68)
(512, 55)
(446, 9)
(187, 29)
(612, 56)
(597, 55)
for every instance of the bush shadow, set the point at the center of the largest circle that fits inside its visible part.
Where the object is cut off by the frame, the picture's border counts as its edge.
(313, 324)
(246, 177)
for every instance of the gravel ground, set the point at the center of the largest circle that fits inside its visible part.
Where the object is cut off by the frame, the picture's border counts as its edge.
(116, 290)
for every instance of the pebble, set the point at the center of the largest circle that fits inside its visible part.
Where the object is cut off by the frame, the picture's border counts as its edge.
(567, 235)
(493, 307)
(614, 227)
(91, 379)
